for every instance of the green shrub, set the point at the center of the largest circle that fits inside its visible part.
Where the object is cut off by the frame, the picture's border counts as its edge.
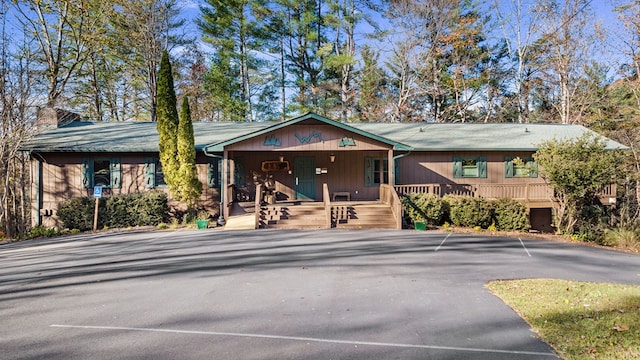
(152, 208)
(120, 210)
(429, 208)
(41, 231)
(470, 212)
(624, 238)
(510, 215)
(411, 208)
(77, 213)
(434, 208)
(117, 211)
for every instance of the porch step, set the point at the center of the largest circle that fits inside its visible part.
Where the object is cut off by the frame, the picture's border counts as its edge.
(307, 216)
(363, 216)
(241, 222)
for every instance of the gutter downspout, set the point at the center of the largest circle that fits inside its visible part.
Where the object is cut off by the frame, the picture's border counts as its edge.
(221, 220)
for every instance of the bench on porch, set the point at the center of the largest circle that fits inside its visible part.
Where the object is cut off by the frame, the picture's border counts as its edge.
(341, 194)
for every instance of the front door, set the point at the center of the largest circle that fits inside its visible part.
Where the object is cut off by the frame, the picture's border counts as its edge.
(304, 172)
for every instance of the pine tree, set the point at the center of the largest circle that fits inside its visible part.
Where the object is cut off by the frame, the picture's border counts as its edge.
(167, 124)
(190, 186)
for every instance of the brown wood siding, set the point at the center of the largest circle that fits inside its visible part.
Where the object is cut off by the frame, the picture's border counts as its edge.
(437, 168)
(345, 174)
(320, 138)
(62, 179)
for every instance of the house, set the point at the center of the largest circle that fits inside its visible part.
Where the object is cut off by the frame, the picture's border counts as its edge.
(309, 171)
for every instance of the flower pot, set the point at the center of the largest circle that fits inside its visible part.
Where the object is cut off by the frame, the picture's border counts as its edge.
(420, 225)
(202, 224)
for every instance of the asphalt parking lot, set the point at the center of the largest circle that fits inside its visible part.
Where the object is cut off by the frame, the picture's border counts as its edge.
(265, 294)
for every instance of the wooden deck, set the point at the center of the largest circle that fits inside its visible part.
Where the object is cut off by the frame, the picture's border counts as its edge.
(537, 195)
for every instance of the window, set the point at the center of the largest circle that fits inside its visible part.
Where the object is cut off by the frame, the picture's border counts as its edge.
(153, 174)
(520, 167)
(469, 167)
(101, 172)
(376, 171)
(214, 173)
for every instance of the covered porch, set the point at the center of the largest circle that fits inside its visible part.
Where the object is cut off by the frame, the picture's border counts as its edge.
(306, 159)
(385, 212)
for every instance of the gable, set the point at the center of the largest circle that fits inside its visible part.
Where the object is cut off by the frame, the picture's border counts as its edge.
(309, 137)
(309, 129)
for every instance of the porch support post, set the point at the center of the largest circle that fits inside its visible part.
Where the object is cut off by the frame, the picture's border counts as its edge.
(392, 168)
(225, 184)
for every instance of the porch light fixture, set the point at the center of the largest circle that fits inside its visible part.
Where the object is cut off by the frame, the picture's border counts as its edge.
(281, 158)
(332, 157)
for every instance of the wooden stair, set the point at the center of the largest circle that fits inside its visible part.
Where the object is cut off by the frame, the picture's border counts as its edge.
(363, 216)
(293, 216)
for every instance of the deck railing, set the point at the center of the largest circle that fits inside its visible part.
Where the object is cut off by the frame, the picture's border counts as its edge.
(526, 192)
(537, 192)
(388, 195)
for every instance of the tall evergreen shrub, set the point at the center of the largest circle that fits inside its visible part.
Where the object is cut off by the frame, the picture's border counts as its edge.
(189, 185)
(167, 125)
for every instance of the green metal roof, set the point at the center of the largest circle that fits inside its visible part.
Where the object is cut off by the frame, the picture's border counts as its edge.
(127, 136)
(477, 137)
(143, 136)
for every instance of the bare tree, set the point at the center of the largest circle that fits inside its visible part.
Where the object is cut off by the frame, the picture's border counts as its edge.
(518, 30)
(63, 30)
(566, 46)
(16, 80)
(142, 30)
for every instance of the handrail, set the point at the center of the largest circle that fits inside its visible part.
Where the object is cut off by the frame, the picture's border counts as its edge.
(327, 205)
(388, 195)
(258, 202)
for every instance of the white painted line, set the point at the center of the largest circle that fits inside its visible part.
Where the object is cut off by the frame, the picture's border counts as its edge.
(308, 339)
(445, 239)
(525, 248)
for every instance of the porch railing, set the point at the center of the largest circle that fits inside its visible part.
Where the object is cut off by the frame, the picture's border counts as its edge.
(388, 195)
(327, 205)
(538, 192)
(526, 192)
(257, 205)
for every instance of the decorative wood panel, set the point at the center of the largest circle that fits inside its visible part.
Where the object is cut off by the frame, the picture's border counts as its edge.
(309, 138)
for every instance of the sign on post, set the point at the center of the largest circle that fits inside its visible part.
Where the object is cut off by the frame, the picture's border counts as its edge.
(97, 193)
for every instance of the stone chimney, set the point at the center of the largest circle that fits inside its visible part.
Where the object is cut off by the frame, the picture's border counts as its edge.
(49, 117)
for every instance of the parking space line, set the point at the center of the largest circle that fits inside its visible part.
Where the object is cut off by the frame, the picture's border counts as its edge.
(308, 339)
(525, 248)
(445, 239)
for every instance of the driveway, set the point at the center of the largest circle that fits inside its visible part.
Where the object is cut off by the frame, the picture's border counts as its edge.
(266, 294)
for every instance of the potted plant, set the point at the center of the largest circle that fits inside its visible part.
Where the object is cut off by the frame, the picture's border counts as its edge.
(203, 220)
(420, 223)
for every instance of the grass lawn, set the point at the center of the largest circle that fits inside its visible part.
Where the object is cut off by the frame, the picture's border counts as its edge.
(580, 320)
